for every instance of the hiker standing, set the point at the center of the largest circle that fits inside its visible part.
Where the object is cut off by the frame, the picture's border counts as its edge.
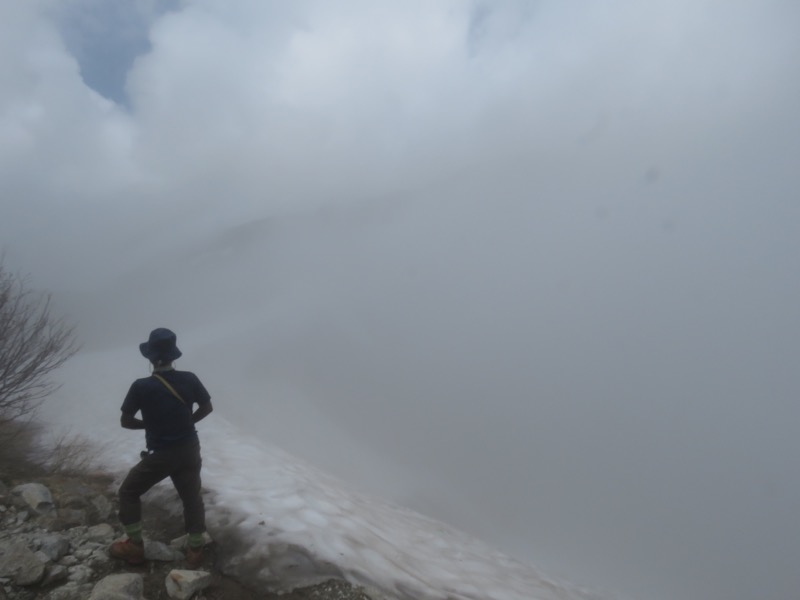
(165, 400)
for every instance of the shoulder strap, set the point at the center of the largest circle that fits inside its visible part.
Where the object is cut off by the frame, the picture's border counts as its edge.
(169, 387)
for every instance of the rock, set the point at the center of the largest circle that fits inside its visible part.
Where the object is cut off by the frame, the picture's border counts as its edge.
(100, 533)
(35, 496)
(98, 558)
(55, 573)
(17, 561)
(64, 518)
(71, 517)
(70, 591)
(182, 585)
(69, 560)
(80, 573)
(78, 531)
(83, 553)
(54, 546)
(102, 507)
(72, 501)
(160, 551)
(123, 586)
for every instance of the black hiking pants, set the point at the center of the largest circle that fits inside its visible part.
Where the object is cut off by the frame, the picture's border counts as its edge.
(181, 464)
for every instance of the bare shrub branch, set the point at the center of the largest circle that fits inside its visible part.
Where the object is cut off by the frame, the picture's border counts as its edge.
(69, 454)
(33, 342)
(18, 442)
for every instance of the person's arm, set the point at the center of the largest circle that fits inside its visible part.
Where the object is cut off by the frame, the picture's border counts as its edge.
(129, 409)
(131, 422)
(203, 410)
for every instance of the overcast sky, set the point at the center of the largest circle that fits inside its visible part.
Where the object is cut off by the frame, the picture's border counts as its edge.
(537, 258)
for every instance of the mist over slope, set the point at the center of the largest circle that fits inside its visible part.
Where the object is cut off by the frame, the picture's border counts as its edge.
(529, 268)
(542, 375)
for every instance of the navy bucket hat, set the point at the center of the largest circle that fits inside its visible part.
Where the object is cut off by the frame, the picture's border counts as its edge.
(162, 346)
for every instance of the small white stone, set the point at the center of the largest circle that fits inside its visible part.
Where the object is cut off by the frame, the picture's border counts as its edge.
(68, 561)
(80, 573)
(182, 584)
(98, 558)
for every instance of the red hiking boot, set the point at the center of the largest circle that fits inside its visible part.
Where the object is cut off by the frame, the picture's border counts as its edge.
(128, 550)
(194, 556)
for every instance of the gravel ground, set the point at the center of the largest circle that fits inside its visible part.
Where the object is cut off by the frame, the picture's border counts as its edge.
(160, 525)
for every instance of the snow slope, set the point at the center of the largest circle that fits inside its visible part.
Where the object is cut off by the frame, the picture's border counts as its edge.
(289, 523)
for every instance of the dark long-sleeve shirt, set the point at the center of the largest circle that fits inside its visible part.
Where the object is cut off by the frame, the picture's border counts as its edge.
(167, 420)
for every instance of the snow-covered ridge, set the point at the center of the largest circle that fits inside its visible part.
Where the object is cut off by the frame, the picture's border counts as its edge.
(274, 503)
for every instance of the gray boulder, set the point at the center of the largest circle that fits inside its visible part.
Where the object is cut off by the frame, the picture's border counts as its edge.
(64, 518)
(100, 533)
(35, 496)
(70, 591)
(55, 574)
(123, 586)
(54, 546)
(17, 561)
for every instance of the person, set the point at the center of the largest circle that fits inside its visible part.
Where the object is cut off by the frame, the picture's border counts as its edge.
(165, 399)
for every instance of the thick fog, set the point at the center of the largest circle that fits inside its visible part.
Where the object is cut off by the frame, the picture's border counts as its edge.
(530, 268)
